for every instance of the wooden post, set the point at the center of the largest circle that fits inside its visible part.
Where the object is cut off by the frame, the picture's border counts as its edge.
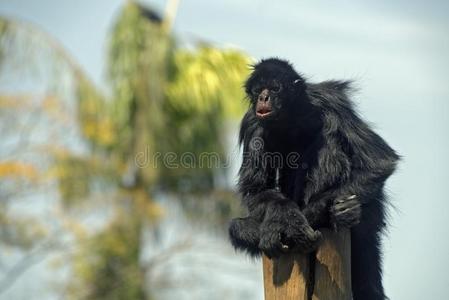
(287, 278)
(333, 267)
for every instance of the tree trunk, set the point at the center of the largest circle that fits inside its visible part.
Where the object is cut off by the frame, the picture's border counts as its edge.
(288, 277)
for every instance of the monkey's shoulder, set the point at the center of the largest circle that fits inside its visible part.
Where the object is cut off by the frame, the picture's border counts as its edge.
(341, 119)
(333, 85)
(332, 95)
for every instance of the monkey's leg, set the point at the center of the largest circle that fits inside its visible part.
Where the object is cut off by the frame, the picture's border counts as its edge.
(285, 228)
(366, 262)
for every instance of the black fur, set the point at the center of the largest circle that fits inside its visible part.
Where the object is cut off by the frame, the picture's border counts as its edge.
(338, 182)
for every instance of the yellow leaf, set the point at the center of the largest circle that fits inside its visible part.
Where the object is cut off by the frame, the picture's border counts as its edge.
(18, 169)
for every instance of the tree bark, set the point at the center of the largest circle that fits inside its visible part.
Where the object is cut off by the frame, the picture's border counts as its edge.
(285, 278)
(333, 267)
(288, 277)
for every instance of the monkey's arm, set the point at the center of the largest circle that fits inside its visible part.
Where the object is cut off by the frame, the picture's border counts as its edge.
(342, 204)
(274, 222)
(257, 195)
(256, 181)
(355, 164)
(253, 185)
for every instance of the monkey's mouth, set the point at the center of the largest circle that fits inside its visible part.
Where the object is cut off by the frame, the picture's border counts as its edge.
(263, 112)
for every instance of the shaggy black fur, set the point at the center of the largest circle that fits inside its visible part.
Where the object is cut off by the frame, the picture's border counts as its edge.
(337, 183)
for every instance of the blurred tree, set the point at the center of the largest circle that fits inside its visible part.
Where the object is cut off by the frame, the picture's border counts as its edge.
(163, 100)
(139, 50)
(199, 101)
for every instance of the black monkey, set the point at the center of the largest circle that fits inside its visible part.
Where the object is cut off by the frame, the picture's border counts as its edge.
(337, 182)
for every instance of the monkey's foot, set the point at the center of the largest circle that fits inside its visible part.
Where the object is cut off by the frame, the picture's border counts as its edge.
(303, 239)
(244, 235)
(286, 230)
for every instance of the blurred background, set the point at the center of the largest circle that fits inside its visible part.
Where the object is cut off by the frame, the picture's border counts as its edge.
(95, 95)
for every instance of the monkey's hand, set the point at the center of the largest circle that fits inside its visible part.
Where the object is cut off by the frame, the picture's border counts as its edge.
(345, 212)
(285, 228)
(244, 234)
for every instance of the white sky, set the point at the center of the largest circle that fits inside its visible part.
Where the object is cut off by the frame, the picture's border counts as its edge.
(396, 50)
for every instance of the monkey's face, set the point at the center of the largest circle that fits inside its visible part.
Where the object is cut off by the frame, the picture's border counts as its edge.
(272, 89)
(266, 99)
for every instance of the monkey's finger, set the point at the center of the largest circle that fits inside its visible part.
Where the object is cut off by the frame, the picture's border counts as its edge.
(313, 243)
(345, 199)
(347, 211)
(340, 200)
(311, 234)
(317, 235)
(350, 204)
(285, 248)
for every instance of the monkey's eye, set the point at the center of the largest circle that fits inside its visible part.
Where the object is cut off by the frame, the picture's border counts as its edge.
(255, 91)
(276, 88)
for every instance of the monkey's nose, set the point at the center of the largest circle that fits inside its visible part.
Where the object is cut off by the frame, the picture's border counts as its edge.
(264, 96)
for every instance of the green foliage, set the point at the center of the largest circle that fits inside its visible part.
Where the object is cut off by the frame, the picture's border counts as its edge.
(20, 232)
(208, 80)
(80, 176)
(95, 119)
(204, 91)
(139, 52)
(107, 267)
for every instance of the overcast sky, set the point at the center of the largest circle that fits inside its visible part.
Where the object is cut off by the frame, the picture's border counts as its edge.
(397, 51)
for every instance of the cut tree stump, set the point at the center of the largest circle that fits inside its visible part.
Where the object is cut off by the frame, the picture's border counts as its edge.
(286, 278)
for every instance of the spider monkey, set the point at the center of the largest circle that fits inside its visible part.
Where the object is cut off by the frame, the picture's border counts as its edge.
(338, 182)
